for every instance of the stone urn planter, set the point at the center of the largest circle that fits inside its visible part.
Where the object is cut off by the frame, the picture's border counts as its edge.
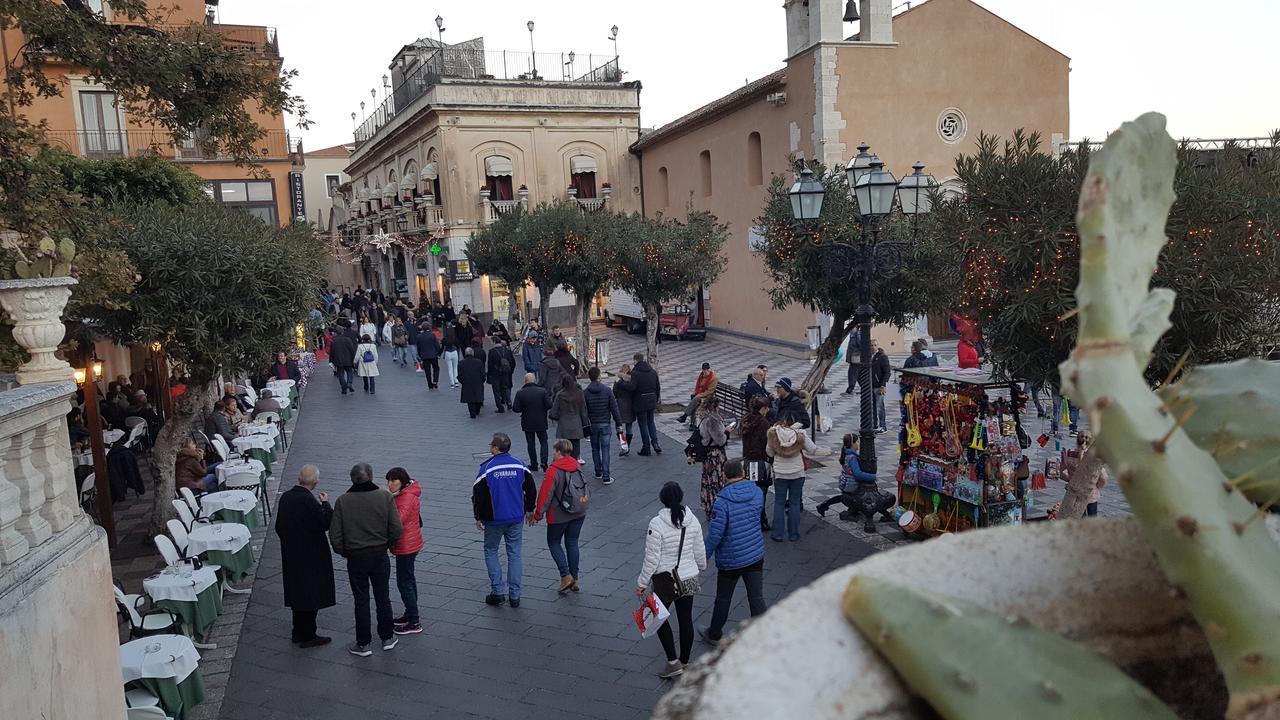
(35, 306)
(1094, 581)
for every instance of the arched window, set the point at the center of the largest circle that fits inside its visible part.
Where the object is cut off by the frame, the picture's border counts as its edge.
(664, 188)
(497, 177)
(704, 162)
(582, 175)
(755, 160)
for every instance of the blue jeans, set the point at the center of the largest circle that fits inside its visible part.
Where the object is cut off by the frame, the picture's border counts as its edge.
(566, 557)
(784, 490)
(513, 533)
(407, 583)
(210, 482)
(1073, 414)
(400, 354)
(346, 377)
(600, 435)
(648, 430)
(879, 408)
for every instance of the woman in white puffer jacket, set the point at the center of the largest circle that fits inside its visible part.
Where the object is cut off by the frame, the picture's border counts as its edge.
(663, 549)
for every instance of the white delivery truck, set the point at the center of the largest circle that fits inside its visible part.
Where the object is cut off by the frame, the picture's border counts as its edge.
(682, 321)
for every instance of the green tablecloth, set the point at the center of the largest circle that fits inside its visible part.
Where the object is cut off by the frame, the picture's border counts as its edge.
(251, 519)
(176, 698)
(199, 615)
(235, 565)
(287, 413)
(266, 457)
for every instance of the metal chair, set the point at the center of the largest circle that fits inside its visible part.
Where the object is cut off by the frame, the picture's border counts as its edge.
(190, 499)
(142, 623)
(219, 444)
(167, 550)
(274, 417)
(186, 517)
(88, 492)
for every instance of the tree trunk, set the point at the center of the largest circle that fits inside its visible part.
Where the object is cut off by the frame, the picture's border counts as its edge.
(512, 301)
(817, 374)
(1080, 485)
(652, 311)
(584, 332)
(186, 412)
(544, 297)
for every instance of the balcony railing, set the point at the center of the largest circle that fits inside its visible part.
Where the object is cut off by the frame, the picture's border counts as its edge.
(494, 209)
(590, 205)
(476, 63)
(98, 144)
(254, 39)
(433, 215)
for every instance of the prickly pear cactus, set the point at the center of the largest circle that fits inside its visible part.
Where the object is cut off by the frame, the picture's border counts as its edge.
(47, 259)
(970, 663)
(1209, 537)
(1235, 417)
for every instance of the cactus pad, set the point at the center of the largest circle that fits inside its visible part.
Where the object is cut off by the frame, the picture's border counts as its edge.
(1209, 538)
(968, 662)
(1237, 421)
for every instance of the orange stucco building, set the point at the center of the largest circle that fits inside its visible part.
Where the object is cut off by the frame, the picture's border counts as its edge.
(86, 120)
(918, 86)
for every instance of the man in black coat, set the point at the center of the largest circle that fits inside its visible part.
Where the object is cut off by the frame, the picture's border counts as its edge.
(502, 362)
(646, 393)
(429, 355)
(880, 374)
(533, 402)
(342, 353)
(471, 377)
(306, 562)
(790, 406)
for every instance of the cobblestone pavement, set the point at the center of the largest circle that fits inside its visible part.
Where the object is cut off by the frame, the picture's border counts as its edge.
(573, 656)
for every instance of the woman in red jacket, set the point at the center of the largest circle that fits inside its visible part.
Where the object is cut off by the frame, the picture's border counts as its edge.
(408, 497)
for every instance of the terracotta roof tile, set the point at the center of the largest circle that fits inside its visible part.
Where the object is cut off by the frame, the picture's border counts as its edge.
(715, 107)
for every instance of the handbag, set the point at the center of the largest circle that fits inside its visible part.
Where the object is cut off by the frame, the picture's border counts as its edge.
(668, 585)
(758, 472)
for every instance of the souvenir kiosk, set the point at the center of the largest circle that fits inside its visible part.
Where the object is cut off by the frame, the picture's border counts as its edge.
(961, 445)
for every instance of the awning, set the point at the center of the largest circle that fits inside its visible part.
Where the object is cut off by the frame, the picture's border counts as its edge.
(496, 166)
(430, 171)
(389, 190)
(409, 181)
(582, 164)
(362, 194)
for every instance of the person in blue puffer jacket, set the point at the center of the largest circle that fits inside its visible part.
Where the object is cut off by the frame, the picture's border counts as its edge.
(734, 538)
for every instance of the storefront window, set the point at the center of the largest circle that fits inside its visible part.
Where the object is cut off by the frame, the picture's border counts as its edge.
(499, 298)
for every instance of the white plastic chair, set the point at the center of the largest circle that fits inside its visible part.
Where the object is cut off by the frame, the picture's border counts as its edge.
(224, 451)
(134, 421)
(190, 499)
(88, 491)
(274, 417)
(136, 434)
(167, 550)
(179, 534)
(142, 623)
(189, 520)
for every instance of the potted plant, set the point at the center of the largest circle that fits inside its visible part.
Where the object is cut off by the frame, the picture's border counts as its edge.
(1172, 613)
(35, 300)
(573, 192)
(606, 190)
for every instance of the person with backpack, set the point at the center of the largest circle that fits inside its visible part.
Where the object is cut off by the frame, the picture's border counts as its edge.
(408, 496)
(674, 554)
(569, 410)
(602, 408)
(563, 500)
(502, 362)
(502, 496)
(367, 364)
(735, 540)
(399, 339)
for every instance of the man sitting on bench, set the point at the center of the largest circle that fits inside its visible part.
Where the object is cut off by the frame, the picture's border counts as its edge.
(703, 388)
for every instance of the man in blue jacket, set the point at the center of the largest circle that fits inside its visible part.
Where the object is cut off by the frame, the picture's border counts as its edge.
(734, 538)
(503, 495)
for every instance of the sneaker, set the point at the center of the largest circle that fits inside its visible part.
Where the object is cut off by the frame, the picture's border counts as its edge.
(400, 620)
(881, 430)
(390, 643)
(515, 602)
(408, 629)
(316, 641)
(674, 668)
(706, 637)
(607, 481)
(493, 599)
(599, 476)
(359, 650)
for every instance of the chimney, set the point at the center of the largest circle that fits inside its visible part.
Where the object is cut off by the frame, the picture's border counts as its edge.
(876, 24)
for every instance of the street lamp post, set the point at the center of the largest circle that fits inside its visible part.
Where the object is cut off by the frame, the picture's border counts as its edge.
(613, 35)
(440, 30)
(874, 190)
(93, 419)
(532, 53)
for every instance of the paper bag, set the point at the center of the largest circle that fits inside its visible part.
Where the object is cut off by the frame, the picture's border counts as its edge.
(650, 616)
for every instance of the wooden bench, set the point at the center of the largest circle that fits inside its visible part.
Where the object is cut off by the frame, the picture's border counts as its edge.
(733, 404)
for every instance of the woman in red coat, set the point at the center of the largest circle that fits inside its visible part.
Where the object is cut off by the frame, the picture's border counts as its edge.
(408, 497)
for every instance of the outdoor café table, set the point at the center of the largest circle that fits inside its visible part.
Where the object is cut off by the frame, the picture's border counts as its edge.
(235, 465)
(192, 595)
(283, 388)
(232, 506)
(259, 428)
(223, 544)
(166, 666)
(260, 447)
(286, 407)
(110, 437)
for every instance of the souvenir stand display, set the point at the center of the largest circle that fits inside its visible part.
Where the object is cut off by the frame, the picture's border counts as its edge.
(962, 464)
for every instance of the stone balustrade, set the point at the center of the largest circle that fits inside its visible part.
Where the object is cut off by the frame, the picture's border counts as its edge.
(38, 497)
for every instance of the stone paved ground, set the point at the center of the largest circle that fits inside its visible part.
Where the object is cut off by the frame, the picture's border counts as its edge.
(576, 656)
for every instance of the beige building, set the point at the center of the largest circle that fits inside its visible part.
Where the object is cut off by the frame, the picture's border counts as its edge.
(918, 86)
(467, 134)
(323, 177)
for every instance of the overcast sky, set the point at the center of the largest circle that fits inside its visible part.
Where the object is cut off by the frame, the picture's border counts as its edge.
(1210, 66)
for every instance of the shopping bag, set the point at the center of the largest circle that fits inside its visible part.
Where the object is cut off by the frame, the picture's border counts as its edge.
(650, 616)
(622, 440)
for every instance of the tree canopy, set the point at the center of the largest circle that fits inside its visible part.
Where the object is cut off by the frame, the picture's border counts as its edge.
(1014, 230)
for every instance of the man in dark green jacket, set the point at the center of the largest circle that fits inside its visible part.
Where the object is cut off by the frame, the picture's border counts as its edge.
(365, 525)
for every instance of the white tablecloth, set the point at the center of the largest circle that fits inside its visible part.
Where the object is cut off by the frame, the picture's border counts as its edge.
(280, 387)
(109, 437)
(283, 400)
(237, 500)
(85, 458)
(235, 467)
(263, 442)
(171, 585)
(158, 656)
(227, 537)
(253, 428)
